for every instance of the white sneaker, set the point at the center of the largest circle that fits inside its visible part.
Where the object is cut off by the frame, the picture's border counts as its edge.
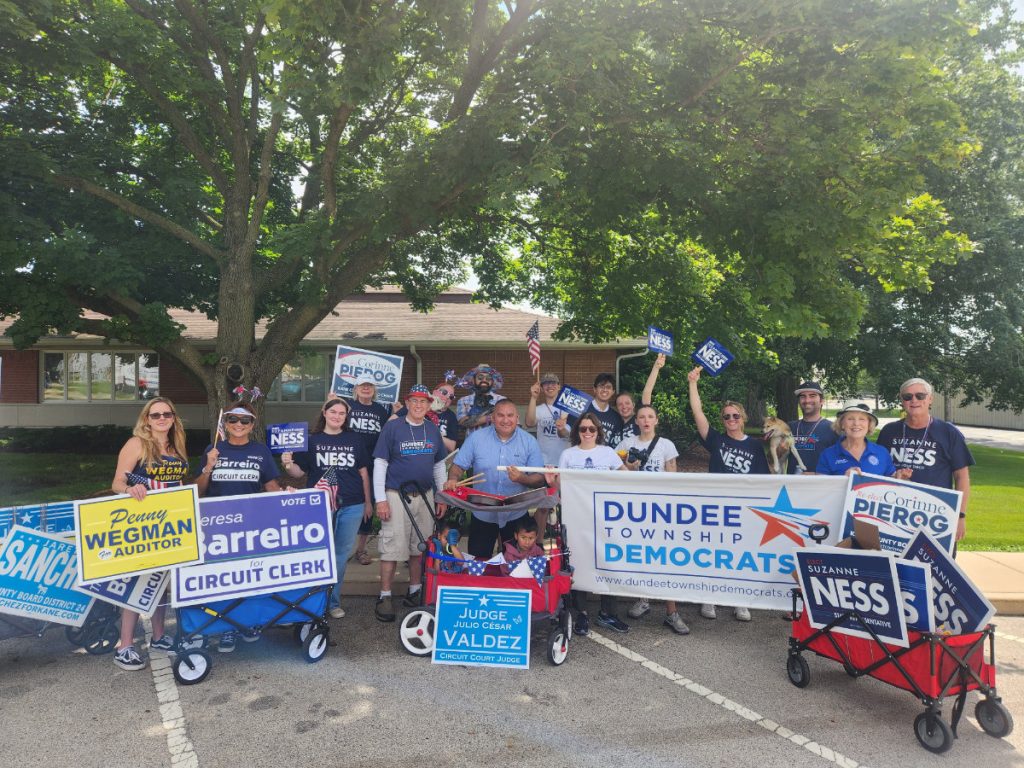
(337, 612)
(638, 609)
(742, 614)
(708, 611)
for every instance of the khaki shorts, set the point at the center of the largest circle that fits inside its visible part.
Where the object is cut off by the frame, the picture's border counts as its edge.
(398, 540)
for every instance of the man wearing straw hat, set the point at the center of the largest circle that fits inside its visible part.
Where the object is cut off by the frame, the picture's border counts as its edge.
(503, 444)
(474, 411)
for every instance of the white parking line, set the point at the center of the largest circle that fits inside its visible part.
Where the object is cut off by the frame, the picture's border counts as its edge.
(183, 754)
(1005, 636)
(728, 704)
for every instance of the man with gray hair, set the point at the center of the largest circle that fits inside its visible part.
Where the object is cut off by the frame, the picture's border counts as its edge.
(933, 450)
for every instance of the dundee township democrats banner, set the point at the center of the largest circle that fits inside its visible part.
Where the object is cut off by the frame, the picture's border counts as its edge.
(700, 538)
(258, 545)
(121, 536)
(900, 508)
(37, 576)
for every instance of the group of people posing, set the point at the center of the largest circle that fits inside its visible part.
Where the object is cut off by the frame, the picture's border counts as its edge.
(376, 452)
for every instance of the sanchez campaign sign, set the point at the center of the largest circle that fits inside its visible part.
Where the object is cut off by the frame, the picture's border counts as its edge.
(959, 606)
(838, 583)
(137, 593)
(258, 545)
(483, 627)
(293, 436)
(352, 363)
(37, 576)
(120, 536)
(700, 538)
(900, 508)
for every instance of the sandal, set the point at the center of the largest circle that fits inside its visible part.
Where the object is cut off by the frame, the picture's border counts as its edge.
(363, 557)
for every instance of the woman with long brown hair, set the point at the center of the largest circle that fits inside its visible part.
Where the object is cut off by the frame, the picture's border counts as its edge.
(154, 457)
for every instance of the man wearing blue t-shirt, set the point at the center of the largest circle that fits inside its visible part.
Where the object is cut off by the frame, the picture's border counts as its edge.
(933, 450)
(409, 450)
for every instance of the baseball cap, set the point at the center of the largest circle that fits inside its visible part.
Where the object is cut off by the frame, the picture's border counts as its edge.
(809, 386)
(418, 390)
(549, 378)
(365, 378)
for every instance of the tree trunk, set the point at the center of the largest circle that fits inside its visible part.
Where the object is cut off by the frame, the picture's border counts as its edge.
(755, 405)
(786, 402)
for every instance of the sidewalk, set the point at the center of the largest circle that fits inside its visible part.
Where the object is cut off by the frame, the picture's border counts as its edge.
(999, 575)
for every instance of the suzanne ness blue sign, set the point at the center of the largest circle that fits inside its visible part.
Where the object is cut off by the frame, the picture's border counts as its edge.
(916, 587)
(836, 582)
(660, 341)
(483, 627)
(959, 606)
(573, 401)
(712, 356)
(37, 576)
(292, 436)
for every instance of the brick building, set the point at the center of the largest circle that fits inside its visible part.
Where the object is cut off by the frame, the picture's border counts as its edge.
(81, 379)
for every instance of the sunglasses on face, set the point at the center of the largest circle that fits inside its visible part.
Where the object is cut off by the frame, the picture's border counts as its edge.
(246, 420)
(584, 430)
(908, 396)
(157, 416)
(731, 417)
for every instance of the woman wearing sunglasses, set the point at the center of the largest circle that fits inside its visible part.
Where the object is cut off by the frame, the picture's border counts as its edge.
(154, 457)
(732, 452)
(332, 444)
(588, 451)
(238, 465)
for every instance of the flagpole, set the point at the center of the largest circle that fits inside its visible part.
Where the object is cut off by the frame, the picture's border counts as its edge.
(216, 428)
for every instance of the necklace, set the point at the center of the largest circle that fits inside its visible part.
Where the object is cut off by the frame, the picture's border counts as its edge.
(920, 442)
(423, 438)
(810, 434)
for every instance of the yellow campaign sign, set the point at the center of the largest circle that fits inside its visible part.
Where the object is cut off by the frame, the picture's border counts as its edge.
(125, 537)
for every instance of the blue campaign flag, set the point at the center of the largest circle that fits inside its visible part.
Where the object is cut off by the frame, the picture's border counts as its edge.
(959, 606)
(573, 401)
(836, 582)
(260, 544)
(293, 436)
(916, 586)
(483, 627)
(712, 356)
(37, 577)
(660, 341)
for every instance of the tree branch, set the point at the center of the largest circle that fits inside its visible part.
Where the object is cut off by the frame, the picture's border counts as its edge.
(138, 211)
(259, 206)
(339, 120)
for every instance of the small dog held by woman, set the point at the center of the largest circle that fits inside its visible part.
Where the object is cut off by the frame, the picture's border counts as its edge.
(779, 440)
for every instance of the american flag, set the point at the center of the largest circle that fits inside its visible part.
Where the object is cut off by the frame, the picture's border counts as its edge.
(476, 567)
(134, 478)
(329, 483)
(533, 346)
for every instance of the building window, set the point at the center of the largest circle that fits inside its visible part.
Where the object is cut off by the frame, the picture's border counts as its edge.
(100, 376)
(303, 380)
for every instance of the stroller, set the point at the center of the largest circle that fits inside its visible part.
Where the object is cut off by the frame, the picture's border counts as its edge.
(550, 600)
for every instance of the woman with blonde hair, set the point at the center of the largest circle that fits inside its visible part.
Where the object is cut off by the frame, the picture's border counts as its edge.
(153, 458)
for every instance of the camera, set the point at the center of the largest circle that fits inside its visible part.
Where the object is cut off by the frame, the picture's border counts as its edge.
(638, 454)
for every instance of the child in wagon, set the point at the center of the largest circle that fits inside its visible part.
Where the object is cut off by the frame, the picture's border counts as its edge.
(522, 546)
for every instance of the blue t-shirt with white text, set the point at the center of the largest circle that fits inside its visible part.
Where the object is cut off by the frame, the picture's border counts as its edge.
(345, 451)
(411, 451)
(734, 457)
(240, 469)
(933, 453)
(367, 421)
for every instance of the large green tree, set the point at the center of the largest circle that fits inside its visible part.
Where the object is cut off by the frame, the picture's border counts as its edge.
(731, 166)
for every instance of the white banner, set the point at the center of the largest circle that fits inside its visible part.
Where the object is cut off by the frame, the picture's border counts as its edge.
(698, 538)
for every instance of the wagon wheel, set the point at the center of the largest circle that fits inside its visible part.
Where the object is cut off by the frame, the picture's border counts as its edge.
(994, 718)
(798, 671)
(558, 646)
(315, 645)
(417, 632)
(192, 667)
(933, 732)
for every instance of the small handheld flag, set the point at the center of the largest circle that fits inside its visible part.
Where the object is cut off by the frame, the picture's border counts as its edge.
(329, 483)
(533, 346)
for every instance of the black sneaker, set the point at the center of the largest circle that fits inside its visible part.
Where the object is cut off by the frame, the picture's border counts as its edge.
(582, 626)
(128, 658)
(413, 599)
(164, 643)
(384, 610)
(227, 641)
(611, 621)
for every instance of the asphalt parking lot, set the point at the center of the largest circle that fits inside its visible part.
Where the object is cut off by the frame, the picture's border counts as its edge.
(717, 697)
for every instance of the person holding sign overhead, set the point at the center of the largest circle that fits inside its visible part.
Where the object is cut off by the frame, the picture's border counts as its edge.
(733, 452)
(154, 457)
(550, 421)
(331, 445)
(627, 408)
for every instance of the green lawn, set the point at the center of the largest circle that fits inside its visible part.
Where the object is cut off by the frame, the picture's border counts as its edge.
(995, 511)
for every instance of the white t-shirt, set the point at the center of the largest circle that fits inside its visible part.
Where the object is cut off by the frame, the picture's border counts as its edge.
(663, 452)
(598, 457)
(551, 445)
